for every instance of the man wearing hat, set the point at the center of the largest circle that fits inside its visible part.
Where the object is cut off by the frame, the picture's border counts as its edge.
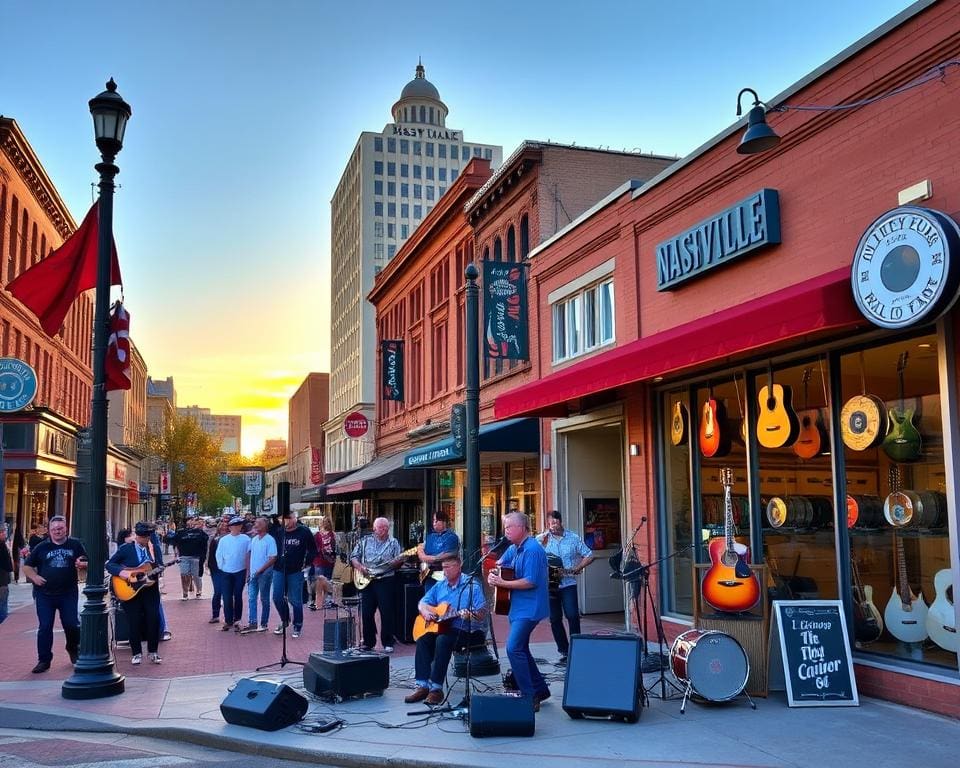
(143, 609)
(232, 561)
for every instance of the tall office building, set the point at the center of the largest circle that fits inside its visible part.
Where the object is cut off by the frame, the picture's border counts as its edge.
(390, 183)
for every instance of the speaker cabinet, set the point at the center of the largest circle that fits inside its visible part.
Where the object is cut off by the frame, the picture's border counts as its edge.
(501, 716)
(283, 498)
(408, 597)
(265, 704)
(338, 634)
(121, 626)
(342, 677)
(603, 677)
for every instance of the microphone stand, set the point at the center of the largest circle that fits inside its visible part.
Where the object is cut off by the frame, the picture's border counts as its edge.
(283, 624)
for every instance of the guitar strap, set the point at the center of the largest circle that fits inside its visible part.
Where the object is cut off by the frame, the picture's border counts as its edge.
(153, 558)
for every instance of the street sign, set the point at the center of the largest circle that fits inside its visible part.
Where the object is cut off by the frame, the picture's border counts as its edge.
(252, 483)
(18, 384)
(356, 424)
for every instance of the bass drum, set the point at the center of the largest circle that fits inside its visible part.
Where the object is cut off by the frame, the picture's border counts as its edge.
(712, 663)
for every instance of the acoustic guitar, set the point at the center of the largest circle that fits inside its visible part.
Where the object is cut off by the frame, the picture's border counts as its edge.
(906, 613)
(777, 424)
(941, 620)
(501, 595)
(441, 625)
(679, 424)
(902, 442)
(812, 436)
(141, 577)
(729, 585)
(863, 418)
(714, 438)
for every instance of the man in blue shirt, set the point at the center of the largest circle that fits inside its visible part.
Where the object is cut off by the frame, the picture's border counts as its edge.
(529, 603)
(440, 544)
(458, 596)
(573, 557)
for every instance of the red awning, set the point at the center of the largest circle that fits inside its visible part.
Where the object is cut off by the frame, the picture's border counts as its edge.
(823, 303)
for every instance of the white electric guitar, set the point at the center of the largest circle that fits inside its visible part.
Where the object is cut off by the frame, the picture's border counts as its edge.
(941, 619)
(906, 613)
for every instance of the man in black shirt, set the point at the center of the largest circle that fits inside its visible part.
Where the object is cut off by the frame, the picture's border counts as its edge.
(295, 551)
(52, 568)
(190, 543)
(38, 533)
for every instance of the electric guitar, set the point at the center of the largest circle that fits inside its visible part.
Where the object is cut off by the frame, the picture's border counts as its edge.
(714, 440)
(941, 620)
(440, 625)
(812, 437)
(428, 571)
(679, 424)
(867, 622)
(140, 578)
(906, 613)
(729, 585)
(777, 424)
(377, 570)
(902, 442)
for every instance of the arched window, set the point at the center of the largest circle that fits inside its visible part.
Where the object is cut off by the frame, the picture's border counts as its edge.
(423, 114)
(511, 244)
(12, 240)
(24, 230)
(34, 254)
(497, 249)
(486, 254)
(431, 115)
(3, 217)
(524, 237)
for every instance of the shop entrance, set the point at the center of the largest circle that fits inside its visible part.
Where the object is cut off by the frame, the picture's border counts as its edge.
(590, 495)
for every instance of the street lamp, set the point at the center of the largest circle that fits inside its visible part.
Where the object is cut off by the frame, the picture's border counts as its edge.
(95, 674)
(471, 396)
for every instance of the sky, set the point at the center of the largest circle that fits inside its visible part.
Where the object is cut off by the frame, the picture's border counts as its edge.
(245, 113)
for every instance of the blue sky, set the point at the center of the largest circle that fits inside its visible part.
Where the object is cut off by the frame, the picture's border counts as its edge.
(245, 112)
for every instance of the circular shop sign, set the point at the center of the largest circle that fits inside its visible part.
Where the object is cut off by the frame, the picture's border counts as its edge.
(18, 384)
(356, 424)
(904, 270)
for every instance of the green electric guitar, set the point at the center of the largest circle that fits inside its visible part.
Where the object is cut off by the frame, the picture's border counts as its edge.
(902, 443)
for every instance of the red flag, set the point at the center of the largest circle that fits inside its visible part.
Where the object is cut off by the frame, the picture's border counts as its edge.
(118, 350)
(50, 287)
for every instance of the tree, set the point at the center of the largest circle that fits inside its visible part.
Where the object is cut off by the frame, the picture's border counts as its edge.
(192, 458)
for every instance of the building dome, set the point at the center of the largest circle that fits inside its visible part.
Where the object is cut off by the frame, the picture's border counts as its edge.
(420, 102)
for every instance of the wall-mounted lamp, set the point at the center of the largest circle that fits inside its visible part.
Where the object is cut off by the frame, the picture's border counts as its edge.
(759, 136)
(634, 449)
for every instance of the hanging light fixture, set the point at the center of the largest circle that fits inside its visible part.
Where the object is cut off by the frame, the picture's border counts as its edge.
(759, 137)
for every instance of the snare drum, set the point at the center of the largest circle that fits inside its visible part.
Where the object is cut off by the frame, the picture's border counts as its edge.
(713, 664)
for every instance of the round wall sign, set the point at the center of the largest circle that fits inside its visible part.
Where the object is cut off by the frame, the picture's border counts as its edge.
(18, 384)
(904, 271)
(356, 424)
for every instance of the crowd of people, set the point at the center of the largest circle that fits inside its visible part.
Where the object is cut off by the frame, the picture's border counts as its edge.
(278, 563)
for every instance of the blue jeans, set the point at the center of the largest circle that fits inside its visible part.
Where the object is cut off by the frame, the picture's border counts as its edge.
(47, 606)
(232, 586)
(292, 585)
(563, 602)
(525, 672)
(217, 580)
(4, 603)
(259, 586)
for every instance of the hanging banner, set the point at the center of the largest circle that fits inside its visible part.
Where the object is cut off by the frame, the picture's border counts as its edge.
(252, 483)
(164, 482)
(505, 310)
(316, 467)
(391, 359)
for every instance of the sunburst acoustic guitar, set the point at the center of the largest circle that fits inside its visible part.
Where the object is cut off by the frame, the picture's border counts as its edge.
(141, 577)
(729, 585)
(679, 424)
(812, 436)
(714, 435)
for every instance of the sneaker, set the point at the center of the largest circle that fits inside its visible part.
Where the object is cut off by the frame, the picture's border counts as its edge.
(198, 595)
(214, 620)
(42, 666)
(184, 596)
(155, 658)
(279, 629)
(296, 632)
(418, 695)
(248, 628)
(562, 661)
(226, 627)
(167, 635)
(261, 628)
(435, 697)
(312, 606)
(328, 603)
(137, 658)
(388, 649)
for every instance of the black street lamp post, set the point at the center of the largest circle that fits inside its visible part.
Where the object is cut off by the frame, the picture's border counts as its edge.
(95, 675)
(471, 502)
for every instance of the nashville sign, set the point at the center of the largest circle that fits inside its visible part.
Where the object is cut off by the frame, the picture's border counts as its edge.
(748, 226)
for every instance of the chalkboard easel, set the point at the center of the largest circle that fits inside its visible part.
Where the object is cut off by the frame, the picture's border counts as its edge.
(817, 666)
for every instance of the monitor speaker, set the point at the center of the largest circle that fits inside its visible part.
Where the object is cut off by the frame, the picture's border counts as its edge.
(603, 677)
(265, 704)
(501, 716)
(283, 498)
(408, 601)
(338, 634)
(343, 677)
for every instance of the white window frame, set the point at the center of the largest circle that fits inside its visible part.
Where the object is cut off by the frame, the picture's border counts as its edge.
(584, 320)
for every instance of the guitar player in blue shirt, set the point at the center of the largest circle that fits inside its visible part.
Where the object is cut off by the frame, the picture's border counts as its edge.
(143, 610)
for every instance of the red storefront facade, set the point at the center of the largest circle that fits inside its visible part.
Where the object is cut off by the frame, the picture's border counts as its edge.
(641, 316)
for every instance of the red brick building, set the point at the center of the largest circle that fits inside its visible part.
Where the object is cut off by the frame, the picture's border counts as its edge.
(308, 411)
(732, 274)
(40, 455)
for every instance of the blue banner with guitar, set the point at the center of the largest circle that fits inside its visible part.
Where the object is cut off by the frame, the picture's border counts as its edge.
(505, 324)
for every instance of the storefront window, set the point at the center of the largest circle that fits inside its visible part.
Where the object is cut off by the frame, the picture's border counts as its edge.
(524, 488)
(446, 496)
(491, 499)
(679, 516)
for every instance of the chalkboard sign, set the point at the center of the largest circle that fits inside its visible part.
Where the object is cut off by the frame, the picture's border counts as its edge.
(815, 652)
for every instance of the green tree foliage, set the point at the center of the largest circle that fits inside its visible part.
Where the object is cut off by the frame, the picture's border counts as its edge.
(193, 459)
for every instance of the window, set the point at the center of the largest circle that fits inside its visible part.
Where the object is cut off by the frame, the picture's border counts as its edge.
(417, 212)
(431, 115)
(391, 251)
(404, 147)
(417, 172)
(454, 154)
(476, 151)
(417, 191)
(442, 173)
(391, 144)
(378, 229)
(430, 191)
(404, 212)
(378, 144)
(404, 230)
(404, 170)
(391, 189)
(442, 151)
(488, 154)
(429, 146)
(378, 208)
(378, 250)
(584, 321)
(378, 167)
(497, 249)
(511, 244)
(417, 146)
(391, 230)
(524, 236)
(453, 174)
(466, 153)
(423, 114)
(429, 172)
(439, 367)
(391, 211)
(443, 191)
(377, 187)
(404, 189)
(391, 169)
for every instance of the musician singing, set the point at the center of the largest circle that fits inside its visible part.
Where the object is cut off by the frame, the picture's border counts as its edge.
(378, 557)
(441, 543)
(461, 601)
(143, 610)
(528, 602)
(574, 556)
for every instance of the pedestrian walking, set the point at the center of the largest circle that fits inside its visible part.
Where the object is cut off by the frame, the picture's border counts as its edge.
(232, 561)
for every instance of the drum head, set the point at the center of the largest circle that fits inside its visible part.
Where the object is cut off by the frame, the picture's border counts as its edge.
(717, 667)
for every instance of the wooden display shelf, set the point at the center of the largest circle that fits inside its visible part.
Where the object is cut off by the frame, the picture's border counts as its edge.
(748, 629)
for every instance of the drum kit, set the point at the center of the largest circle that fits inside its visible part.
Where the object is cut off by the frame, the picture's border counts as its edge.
(711, 665)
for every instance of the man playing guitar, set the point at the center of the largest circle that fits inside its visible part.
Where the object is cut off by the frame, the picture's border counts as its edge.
(574, 556)
(441, 543)
(378, 557)
(461, 625)
(528, 602)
